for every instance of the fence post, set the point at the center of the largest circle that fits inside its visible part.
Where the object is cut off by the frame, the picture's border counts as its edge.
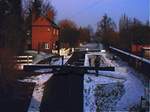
(27, 59)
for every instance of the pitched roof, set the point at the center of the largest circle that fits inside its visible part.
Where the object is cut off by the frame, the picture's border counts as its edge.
(43, 21)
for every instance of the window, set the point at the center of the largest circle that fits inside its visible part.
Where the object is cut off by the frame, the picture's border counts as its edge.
(54, 32)
(46, 46)
(48, 29)
(57, 32)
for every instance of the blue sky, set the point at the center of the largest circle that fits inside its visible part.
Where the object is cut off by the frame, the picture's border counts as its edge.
(89, 12)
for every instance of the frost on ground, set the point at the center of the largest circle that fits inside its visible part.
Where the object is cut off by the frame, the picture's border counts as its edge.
(37, 57)
(40, 80)
(58, 61)
(38, 90)
(113, 91)
(107, 95)
(101, 93)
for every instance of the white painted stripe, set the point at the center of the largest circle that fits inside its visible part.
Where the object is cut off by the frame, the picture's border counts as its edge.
(24, 56)
(24, 60)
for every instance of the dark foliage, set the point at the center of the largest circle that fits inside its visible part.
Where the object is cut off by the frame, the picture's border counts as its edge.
(131, 31)
(85, 34)
(11, 21)
(105, 29)
(69, 33)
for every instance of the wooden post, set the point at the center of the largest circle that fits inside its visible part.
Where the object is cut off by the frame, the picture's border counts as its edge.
(143, 104)
(62, 60)
(27, 59)
(39, 45)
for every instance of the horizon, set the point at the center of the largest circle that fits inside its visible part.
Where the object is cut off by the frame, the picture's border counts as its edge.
(73, 8)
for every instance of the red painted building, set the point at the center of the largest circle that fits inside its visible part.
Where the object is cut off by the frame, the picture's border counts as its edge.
(136, 48)
(142, 50)
(44, 34)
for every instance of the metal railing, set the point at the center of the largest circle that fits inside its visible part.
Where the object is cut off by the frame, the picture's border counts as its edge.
(139, 63)
(24, 60)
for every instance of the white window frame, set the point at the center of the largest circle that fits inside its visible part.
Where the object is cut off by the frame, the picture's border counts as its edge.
(46, 46)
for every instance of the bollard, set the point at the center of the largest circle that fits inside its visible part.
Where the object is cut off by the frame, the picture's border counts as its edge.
(62, 60)
(143, 104)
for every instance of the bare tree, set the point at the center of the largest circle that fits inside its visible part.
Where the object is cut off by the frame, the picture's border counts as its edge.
(132, 31)
(48, 10)
(104, 29)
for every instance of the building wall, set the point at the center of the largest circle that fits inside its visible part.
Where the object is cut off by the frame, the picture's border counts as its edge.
(138, 48)
(43, 34)
(147, 54)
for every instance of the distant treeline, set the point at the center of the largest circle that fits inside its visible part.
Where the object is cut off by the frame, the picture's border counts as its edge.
(131, 31)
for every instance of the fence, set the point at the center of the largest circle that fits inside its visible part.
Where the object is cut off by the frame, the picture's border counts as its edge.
(139, 63)
(24, 60)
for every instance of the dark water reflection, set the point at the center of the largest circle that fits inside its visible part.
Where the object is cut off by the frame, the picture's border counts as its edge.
(63, 93)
